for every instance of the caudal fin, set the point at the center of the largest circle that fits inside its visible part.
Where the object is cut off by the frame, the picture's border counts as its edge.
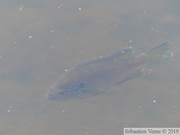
(159, 54)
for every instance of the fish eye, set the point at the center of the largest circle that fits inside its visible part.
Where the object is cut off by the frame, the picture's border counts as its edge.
(61, 93)
(81, 85)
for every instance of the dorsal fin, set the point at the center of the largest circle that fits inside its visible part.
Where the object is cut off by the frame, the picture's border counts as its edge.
(123, 53)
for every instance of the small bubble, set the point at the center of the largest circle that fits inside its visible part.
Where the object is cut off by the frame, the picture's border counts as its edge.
(108, 97)
(60, 6)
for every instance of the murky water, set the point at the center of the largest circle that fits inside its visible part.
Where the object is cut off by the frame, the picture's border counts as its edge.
(41, 39)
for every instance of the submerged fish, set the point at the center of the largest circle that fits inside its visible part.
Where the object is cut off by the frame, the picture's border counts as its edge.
(95, 76)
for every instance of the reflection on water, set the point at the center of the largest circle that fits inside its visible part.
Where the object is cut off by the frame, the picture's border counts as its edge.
(46, 37)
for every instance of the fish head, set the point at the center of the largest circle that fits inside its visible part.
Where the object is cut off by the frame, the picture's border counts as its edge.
(60, 92)
(72, 85)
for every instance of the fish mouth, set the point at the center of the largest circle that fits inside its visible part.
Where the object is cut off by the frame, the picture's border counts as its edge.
(52, 95)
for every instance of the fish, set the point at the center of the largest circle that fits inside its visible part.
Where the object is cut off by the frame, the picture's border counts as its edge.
(97, 75)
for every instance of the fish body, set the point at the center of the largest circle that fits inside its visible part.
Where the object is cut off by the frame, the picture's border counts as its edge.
(95, 76)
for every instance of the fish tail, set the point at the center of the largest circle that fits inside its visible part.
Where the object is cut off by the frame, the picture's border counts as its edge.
(159, 54)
